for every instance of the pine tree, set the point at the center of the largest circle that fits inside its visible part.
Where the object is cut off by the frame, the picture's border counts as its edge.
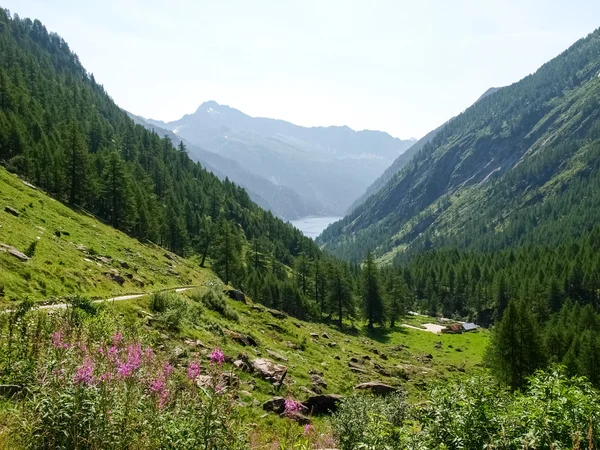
(76, 170)
(397, 292)
(117, 192)
(372, 302)
(227, 252)
(516, 349)
(340, 294)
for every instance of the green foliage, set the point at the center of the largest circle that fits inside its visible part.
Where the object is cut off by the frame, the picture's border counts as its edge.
(216, 301)
(516, 348)
(371, 296)
(554, 412)
(370, 422)
(31, 249)
(172, 309)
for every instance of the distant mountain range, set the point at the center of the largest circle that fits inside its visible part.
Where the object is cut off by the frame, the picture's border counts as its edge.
(326, 168)
(280, 200)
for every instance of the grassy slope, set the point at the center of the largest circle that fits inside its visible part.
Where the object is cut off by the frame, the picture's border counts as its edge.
(62, 266)
(59, 268)
(407, 367)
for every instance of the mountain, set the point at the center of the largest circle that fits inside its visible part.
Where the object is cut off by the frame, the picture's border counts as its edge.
(518, 167)
(61, 131)
(328, 167)
(280, 200)
(401, 161)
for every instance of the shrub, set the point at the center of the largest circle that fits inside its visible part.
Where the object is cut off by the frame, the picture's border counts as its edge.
(171, 309)
(31, 249)
(369, 422)
(216, 301)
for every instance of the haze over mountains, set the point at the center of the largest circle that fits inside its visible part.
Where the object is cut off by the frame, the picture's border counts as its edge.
(318, 170)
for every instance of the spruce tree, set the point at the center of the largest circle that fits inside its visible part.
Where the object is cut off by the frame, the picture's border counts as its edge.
(372, 301)
(515, 350)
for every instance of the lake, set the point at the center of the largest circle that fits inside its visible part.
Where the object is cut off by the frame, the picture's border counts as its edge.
(313, 226)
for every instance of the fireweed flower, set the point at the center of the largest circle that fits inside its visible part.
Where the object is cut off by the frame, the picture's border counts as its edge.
(85, 372)
(149, 354)
(167, 369)
(308, 428)
(117, 338)
(134, 361)
(113, 353)
(57, 340)
(292, 406)
(193, 371)
(217, 356)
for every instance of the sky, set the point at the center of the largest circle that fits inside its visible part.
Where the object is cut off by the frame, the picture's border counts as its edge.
(404, 67)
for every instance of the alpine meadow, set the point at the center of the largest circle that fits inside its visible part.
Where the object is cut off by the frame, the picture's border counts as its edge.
(155, 295)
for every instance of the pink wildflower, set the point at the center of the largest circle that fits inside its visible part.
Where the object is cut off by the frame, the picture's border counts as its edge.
(217, 356)
(193, 371)
(57, 340)
(167, 369)
(85, 373)
(113, 353)
(149, 354)
(308, 428)
(101, 350)
(105, 377)
(157, 385)
(134, 361)
(117, 338)
(292, 406)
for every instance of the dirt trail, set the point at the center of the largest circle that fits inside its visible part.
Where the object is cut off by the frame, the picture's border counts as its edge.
(114, 299)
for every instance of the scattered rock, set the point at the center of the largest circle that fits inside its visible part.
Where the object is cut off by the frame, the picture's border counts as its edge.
(14, 252)
(325, 335)
(332, 344)
(375, 351)
(115, 276)
(170, 257)
(242, 339)
(337, 357)
(366, 358)
(375, 387)
(458, 349)
(318, 381)
(314, 335)
(275, 405)
(276, 327)
(277, 355)
(12, 211)
(358, 370)
(273, 373)
(277, 314)
(236, 295)
(123, 264)
(354, 360)
(297, 417)
(322, 404)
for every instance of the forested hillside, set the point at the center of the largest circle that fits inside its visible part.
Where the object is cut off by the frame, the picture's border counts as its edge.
(517, 167)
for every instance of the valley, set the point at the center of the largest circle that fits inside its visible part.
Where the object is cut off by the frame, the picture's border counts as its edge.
(224, 281)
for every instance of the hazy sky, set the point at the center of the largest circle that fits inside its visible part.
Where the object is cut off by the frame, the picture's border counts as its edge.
(403, 67)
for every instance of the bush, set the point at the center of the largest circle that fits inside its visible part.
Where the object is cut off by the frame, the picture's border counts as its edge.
(171, 309)
(216, 301)
(369, 422)
(31, 249)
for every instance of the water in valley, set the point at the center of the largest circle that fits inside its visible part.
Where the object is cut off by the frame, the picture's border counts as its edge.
(313, 226)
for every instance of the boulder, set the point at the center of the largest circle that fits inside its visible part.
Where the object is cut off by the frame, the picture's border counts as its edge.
(12, 211)
(298, 417)
(318, 382)
(376, 387)
(236, 295)
(273, 373)
(14, 252)
(314, 335)
(275, 405)
(325, 335)
(277, 355)
(115, 276)
(322, 404)
(123, 264)
(242, 339)
(277, 314)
